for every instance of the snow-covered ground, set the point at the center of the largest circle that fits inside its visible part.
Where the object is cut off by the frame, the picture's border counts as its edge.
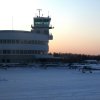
(48, 84)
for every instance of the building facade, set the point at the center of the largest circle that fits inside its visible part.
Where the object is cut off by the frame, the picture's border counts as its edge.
(24, 46)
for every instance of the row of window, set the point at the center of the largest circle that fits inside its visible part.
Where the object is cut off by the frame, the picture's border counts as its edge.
(41, 23)
(8, 41)
(42, 20)
(45, 31)
(22, 52)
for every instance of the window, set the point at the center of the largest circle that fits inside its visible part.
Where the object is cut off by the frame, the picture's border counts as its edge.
(4, 51)
(38, 42)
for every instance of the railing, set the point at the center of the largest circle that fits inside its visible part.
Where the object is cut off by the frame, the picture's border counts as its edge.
(50, 37)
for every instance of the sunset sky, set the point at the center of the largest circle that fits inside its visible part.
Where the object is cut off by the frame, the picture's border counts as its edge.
(76, 22)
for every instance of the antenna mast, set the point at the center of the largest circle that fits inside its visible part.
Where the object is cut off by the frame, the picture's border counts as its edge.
(12, 22)
(39, 11)
(48, 13)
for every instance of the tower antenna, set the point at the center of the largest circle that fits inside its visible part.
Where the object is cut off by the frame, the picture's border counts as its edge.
(39, 11)
(12, 22)
(48, 13)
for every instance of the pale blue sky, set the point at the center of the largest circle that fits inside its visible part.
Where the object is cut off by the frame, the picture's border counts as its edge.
(76, 22)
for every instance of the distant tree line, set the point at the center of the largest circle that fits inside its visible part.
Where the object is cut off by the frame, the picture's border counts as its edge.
(70, 58)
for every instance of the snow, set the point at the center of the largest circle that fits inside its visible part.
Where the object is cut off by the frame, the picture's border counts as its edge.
(48, 84)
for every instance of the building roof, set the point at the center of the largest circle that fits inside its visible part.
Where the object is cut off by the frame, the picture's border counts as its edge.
(14, 31)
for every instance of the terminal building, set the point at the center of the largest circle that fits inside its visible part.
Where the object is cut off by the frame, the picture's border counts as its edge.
(18, 46)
